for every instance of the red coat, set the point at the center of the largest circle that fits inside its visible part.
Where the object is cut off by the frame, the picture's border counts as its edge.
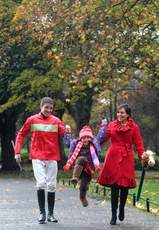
(119, 161)
(44, 137)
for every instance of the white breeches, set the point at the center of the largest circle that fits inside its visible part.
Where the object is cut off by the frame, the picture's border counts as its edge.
(45, 173)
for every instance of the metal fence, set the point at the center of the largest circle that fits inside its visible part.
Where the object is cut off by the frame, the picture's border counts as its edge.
(103, 192)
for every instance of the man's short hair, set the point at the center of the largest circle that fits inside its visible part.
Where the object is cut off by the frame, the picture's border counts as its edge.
(46, 100)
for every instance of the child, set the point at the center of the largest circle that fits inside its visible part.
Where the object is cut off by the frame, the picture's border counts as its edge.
(84, 154)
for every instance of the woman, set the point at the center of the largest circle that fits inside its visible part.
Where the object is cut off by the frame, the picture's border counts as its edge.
(118, 169)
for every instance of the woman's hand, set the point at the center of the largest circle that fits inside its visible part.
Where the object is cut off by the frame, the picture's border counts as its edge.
(104, 122)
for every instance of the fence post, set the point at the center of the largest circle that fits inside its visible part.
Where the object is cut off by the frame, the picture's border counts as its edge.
(148, 205)
(134, 199)
(97, 189)
(104, 191)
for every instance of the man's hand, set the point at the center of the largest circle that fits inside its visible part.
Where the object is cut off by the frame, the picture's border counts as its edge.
(17, 157)
(68, 129)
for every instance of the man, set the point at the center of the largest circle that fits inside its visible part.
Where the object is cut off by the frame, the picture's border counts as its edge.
(44, 129)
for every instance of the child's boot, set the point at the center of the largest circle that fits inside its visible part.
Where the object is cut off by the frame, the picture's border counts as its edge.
(76, 174)
(83, 198)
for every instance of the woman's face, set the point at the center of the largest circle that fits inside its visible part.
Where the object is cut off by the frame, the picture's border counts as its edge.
(122, 116)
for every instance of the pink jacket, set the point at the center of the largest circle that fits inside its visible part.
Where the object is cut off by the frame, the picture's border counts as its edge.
(44, 137)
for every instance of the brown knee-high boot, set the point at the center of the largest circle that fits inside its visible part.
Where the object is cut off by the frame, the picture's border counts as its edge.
(76, 174)
(83, 198)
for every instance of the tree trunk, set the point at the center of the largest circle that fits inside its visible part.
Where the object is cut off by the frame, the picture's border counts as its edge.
(81, 111)
(7, 134)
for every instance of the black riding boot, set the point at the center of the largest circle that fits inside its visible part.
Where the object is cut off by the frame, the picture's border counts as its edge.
(114, 203)
(123, 198)
(41, 202)
(51, 203)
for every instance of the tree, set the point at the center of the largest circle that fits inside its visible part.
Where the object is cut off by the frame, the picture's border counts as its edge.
(80, 49)
(19, 88)
(7, 118)
(145, 112)
(96, 42)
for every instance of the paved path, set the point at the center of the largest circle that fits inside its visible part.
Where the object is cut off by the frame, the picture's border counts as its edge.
(18, 210)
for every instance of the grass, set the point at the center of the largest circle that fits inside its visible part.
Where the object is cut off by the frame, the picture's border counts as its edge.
(149, 191)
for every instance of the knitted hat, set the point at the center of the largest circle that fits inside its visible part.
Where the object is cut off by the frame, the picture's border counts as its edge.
(85, 132)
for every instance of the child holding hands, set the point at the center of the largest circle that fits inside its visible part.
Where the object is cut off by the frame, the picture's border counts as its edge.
(84, 154)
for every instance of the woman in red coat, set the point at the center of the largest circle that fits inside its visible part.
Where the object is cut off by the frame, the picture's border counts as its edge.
(118, 169)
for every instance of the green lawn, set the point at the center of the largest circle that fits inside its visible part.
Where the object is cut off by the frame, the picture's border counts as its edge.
(150, 189)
